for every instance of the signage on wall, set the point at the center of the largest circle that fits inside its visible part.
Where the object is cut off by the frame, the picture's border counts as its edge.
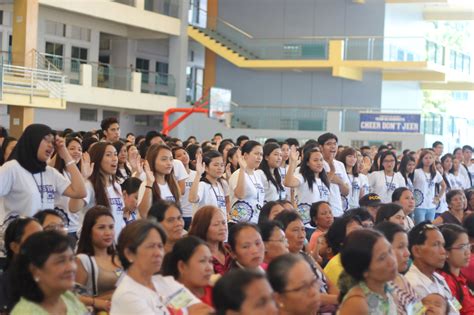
(219, 103)
(390, 122)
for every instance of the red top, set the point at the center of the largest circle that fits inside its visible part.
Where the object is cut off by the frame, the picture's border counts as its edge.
(222, 268)
(459, 289)
(468, 272)
(207, 297)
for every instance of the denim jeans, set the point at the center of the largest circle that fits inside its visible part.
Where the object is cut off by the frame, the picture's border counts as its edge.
(422, 214)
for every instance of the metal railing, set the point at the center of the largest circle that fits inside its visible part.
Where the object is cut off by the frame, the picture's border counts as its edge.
(31, 82)
(158, 83)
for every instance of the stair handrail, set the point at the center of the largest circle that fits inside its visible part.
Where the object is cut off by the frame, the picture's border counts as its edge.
(45, 63)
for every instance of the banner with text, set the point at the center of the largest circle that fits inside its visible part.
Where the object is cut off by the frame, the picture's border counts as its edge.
(390, 122)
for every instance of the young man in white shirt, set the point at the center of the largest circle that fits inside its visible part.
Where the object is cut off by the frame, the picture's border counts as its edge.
(467, 156)
(426, 244)
(340, 184)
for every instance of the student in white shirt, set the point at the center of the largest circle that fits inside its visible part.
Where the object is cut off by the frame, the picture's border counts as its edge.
(161, 183)
(246, 188)
(468, 166)
(180, 154)
(142, 290)
(340, 184)
(208, 187)
(424, 182)
(310, 181)
(269, 172)
(407, 169)
(426, 245)
(460, 175)
(348, 157)
(102, 186)
(386, 180)
(74, 146)
(123, 170)
(27, 184)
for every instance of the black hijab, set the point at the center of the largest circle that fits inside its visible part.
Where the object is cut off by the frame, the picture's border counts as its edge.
(26, 150)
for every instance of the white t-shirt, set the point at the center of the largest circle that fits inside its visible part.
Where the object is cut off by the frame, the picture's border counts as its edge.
(248, 208)
(358, 184)
(131, 297)
(384, 185)
(165, 192)
(24, 193)
(464, 176)
(305, 197)
(459, 181)
(186, 206)
(335, 199)
(425, 188)
(62, 202)
(271, 192)
(115, 201)
(283, 171)
(443, 205)
(471, 174)
(213, 195)
(179, 170)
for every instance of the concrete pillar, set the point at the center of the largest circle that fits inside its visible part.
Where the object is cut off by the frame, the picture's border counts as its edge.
(178, 50)
(334, 121)
(86, 75)
(25, 39)
(209, 56)
(136, 82)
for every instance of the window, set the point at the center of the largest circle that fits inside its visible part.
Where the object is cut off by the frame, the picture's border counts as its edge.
(80, 33)
(1, 17)
(88, 114)
(162, 76)
(110, 113)
(55, 28)
(143, 66)
(78, 57)
(54, 53)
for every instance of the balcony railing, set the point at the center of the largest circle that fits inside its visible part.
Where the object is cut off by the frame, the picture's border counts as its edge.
(165, 7)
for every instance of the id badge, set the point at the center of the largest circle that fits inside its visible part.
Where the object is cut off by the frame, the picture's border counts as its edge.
(180, 299)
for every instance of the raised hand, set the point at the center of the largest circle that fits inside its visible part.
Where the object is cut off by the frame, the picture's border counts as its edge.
(294, 154)
(242, 162)
(200, 166)
(150, 177)
(60, 146)
(86, 166)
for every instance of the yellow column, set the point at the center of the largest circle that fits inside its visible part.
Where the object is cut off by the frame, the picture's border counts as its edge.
(210, 57)
(25, 31)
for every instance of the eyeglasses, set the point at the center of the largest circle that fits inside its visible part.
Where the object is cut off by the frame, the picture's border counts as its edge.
(305, 287)
(465, 247)
(281, 240)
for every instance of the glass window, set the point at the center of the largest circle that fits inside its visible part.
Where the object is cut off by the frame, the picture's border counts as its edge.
(88, 114)
(143, 66)
(110, 113)
(54, 53)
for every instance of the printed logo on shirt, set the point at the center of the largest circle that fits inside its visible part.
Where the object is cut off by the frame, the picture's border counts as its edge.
(323, 191)
(117, 203)
(390, 186)
(188, 184)
(221, 202)
(170, 198)
(430, 183)
(419, 197)
(345, 203)
(303, 209)
(48, 191)
(241, 211)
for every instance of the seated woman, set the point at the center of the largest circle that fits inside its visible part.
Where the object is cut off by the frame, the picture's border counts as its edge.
(321, 218)
(269, 211)
(210, 225)
(190, 263)
(458, 250)
(404, 197)
(170, 217)
(246, 246)
(468, 271)
(53, 219)
(403, 292)
(368, 260)
(295, 234)
(274, 240)
(142, 290)
(296, 287)
(390, 212)
(456, 204)
(244, 292)
(98, 266)
(16, 233)
(43, 275)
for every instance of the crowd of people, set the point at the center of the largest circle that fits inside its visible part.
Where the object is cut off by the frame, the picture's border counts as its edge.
(149, 224)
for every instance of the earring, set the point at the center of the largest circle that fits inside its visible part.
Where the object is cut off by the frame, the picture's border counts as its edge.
(36, 279)
(281, 305)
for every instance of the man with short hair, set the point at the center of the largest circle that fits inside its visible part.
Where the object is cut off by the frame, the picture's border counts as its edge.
(438, 148)
(131, 137)
(467, 157)
(426, 244)
(111, 128)
(336, 171)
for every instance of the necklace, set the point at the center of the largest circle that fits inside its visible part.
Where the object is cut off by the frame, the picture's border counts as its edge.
(40, 187)
(389, 186)
(255, 183)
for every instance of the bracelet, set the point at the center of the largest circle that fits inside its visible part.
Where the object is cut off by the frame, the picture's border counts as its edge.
(149, 187)
(70, 163)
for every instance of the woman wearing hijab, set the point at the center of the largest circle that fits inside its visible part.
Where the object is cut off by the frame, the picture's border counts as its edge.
(27, 183)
